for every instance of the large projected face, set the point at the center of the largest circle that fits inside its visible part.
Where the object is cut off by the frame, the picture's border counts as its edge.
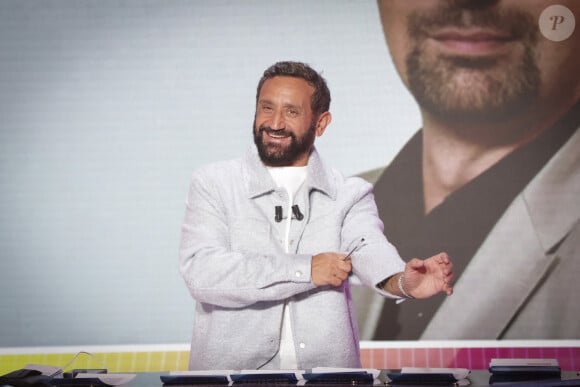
(497, 86)
(480, 61)
(284, 125)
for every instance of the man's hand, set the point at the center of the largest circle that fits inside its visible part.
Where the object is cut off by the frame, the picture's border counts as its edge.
(330, 269)
(425, 278)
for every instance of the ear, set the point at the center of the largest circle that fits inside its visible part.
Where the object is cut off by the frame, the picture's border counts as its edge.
(322, 122)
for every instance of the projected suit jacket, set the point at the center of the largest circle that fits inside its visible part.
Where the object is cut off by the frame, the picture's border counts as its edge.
(523, 280)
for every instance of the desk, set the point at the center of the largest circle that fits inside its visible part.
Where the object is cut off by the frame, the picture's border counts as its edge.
(478, 378)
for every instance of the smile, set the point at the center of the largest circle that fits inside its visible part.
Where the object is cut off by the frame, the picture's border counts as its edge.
(277, 135)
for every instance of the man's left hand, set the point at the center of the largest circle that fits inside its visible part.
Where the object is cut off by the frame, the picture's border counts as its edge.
(425, 278)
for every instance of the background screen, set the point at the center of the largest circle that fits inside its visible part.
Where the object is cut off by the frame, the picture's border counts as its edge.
(106, 108)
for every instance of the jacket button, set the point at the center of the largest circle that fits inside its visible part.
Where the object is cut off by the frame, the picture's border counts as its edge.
(302, 345)
(298, 274)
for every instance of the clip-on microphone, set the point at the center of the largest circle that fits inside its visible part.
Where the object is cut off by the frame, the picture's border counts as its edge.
(278, 216)
(296, 212)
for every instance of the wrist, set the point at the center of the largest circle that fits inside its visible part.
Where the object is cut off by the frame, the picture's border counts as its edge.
(401, 286)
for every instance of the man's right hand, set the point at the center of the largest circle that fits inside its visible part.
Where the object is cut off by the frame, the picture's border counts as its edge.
(330, 269)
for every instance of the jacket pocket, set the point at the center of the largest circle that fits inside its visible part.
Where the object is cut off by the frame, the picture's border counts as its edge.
(249, 235)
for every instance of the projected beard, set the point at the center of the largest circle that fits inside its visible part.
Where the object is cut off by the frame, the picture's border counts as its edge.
(274, 155)
(475, 89)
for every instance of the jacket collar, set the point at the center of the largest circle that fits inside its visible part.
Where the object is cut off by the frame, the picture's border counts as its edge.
(259, 182)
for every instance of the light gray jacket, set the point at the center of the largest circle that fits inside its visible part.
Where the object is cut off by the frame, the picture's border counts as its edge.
(233, 263)
(523, 281)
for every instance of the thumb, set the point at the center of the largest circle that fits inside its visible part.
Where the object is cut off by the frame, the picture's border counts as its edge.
(415, 264)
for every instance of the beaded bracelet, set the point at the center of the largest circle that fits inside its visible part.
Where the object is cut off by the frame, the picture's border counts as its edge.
(401, 288)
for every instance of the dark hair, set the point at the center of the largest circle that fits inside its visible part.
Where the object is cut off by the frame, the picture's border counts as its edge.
(320, 98)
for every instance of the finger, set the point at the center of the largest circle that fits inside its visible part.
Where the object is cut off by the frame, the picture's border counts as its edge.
(416, 263)
(441, 258)
(449, 290)
(341, 275)
(336, 281)
(346, 266)
(345, 273)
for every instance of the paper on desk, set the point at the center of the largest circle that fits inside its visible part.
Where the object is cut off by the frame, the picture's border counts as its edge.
(333, 370)
(109, 379)
(524, 362)
(297, 373)
(458, 373)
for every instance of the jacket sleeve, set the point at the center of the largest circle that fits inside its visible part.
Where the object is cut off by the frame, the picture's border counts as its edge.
(216, 274)
(377, 258)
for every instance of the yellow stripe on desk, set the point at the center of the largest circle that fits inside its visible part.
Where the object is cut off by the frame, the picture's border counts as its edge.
(151, 361)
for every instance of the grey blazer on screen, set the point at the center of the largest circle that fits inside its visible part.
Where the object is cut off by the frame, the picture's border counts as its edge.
(524, 281)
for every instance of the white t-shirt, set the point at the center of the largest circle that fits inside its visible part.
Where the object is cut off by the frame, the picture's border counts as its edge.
(291, 179)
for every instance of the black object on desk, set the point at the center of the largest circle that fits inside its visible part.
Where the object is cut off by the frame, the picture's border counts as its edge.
(354, 377)
(25, 378)
(477, 378)
(265, 378)
(181, 380)
(432, 379)
(505, 374)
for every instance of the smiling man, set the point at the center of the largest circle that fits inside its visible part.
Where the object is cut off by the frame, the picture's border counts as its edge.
(494, 173)
(264, 236)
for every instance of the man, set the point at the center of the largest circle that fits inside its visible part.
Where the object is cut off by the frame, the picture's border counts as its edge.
(264, 236)
(494, 174)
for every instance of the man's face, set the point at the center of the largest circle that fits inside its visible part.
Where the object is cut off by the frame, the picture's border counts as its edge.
(284, 126)
(479, 60)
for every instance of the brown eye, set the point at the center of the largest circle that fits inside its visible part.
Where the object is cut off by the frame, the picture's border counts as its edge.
(293, 112)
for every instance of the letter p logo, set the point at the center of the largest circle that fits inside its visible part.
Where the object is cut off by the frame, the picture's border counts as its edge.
(557, 23)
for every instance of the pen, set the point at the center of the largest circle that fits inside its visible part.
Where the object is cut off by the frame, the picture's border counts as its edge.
(354, 249)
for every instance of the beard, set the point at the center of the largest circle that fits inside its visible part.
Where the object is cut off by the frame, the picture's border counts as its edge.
(276, 155)
(473, 89)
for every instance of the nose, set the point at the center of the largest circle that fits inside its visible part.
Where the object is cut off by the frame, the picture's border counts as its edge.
(278, 120)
